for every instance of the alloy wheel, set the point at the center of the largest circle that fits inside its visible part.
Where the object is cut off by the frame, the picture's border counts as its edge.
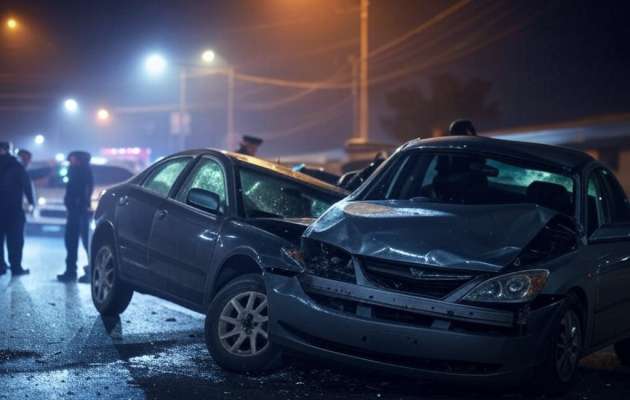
(103, 275)
(243, 324)
(568, 345)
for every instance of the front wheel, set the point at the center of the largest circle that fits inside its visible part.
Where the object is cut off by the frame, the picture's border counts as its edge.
(237, 327)
(558, 372)
(110, 295)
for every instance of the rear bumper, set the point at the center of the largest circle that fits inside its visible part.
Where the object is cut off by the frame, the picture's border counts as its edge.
(444, 345)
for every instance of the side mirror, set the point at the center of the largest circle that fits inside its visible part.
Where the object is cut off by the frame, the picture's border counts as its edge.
(611, 233)
(204, 200)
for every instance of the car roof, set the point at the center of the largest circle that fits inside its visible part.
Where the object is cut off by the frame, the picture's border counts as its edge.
(275, 167)
(542, 153)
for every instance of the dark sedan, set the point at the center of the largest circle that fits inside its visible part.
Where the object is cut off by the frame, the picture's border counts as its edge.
(470, 259)
(199, 228)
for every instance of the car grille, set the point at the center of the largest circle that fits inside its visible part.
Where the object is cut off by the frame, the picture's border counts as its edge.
(53, 214)
(413, 278)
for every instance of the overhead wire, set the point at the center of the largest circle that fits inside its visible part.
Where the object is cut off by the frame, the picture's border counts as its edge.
(269, 105)
(420, 28)
(310, 121)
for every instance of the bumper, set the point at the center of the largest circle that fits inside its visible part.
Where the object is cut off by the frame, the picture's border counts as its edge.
(441, 341)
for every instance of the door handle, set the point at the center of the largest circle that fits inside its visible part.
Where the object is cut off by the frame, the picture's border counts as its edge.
(161, 214)
(123, 201)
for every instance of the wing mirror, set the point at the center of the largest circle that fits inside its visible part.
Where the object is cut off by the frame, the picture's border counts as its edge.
(611, 233)
(204, 200)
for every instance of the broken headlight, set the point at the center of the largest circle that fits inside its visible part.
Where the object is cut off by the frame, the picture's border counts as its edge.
(518, 287)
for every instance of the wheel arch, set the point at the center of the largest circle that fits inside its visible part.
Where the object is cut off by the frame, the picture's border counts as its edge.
(585, 311)
(104, 231)
(236, 264)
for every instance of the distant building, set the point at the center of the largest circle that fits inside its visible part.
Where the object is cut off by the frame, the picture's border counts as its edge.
(605, 138)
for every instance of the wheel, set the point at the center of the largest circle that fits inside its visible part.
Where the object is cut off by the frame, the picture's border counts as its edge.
(237, 327)
(622, 349)
(110, 295)
(558, 372)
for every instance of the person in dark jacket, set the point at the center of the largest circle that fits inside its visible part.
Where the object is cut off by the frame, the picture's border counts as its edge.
(14, 185)
(249, 145)
(77, 199)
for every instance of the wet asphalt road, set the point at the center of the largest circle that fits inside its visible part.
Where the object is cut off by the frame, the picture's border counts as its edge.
(53, 345)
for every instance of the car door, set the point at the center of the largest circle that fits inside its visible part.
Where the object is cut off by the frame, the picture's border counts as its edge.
(606, 206)
(135, 211)
(183, 236)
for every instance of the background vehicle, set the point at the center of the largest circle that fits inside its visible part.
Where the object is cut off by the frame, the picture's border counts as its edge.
(49, 180)
(198, 228)
(467, 259)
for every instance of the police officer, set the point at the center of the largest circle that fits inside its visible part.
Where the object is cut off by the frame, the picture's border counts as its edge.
(14, 185)
(77, 200)
(249, 145)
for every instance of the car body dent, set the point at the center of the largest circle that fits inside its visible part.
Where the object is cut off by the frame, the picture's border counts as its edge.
(480, 238)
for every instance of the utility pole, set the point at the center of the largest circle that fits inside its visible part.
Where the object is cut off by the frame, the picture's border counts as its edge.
(355, 95)
(363, 70)
(231, 135)
(181, 138)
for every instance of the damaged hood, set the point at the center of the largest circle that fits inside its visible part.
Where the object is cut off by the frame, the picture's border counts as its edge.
(290, 229)
(473, 237)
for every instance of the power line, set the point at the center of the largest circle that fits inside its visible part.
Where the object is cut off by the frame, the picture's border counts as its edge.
(422, 27)
(452, 54)
(268, 105)
(420, 49)
(311, 120)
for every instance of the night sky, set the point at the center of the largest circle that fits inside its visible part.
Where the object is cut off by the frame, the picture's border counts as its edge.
(552, 61)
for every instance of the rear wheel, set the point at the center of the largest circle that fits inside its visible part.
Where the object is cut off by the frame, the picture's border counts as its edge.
(557, 374)
(110, 295)
(622, 349)
(237, 327)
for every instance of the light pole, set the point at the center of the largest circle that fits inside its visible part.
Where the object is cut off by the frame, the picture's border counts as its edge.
(208, 57)
(70, 107)
(156, 65)
(363, 71)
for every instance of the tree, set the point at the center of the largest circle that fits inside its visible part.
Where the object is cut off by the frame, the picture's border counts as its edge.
(416, 115)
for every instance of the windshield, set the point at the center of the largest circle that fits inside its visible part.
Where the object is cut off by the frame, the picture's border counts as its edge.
(466, 178)
(266, 195)
(56, 176)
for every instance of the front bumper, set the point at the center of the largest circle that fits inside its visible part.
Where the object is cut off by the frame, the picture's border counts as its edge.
(432, 339)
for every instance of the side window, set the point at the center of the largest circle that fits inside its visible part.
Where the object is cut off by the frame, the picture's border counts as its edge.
(619, 206)
(597, 203)
(208, 175)
(163, 178)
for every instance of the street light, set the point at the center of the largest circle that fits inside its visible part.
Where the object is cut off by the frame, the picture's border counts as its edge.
(12, 24)
(71, 105)
(102, 115)
(39, 139)
(208, 56)
(155, 64)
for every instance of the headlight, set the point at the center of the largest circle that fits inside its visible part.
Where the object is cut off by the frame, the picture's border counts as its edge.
(518, 287)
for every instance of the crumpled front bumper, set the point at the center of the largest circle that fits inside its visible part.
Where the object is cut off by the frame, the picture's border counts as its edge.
(443, 341)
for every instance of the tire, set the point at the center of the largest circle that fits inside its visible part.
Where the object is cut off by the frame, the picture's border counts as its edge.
(237, 328)
(110, 295)
(622, 349)
(557, 374)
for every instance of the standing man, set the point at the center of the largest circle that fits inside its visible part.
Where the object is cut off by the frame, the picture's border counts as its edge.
(77, 200)
(25, 157)
(249, 145)
(14, 185)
